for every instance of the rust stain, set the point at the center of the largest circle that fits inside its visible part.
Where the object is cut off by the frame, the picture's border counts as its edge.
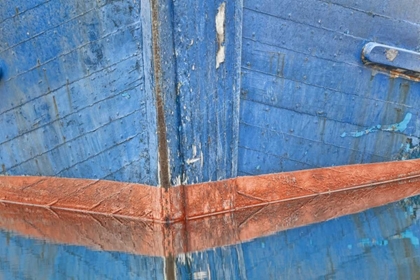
(129, 217)
(57, 115)
(164, 175)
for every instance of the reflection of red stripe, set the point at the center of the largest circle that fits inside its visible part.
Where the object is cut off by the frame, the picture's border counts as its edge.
(134, 218)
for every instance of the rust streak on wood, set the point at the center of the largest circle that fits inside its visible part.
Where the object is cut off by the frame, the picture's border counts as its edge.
(164, 176)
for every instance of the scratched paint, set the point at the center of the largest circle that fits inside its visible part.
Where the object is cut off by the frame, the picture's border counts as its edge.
(397, 127)
(76, 99)
(294, 109)
(91, 110)
(410, 149)
(207, 45)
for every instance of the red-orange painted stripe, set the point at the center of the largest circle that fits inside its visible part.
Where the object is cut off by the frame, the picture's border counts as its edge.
(213, 214)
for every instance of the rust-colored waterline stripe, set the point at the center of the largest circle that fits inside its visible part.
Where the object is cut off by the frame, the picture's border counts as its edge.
(200, 200)
(137, 236)
(262, 204)
(129, 217)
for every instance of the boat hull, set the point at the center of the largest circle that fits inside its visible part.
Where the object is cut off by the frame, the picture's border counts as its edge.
(170, 93)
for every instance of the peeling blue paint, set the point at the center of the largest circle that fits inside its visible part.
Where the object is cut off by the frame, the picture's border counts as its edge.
(126, 95)
(370, 242)
(300, 93)
(410, 149)
(407, 234)
(397, 127)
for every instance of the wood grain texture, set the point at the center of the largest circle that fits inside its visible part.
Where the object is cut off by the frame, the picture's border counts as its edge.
(305, 88)
(208, 95)
(76, 92)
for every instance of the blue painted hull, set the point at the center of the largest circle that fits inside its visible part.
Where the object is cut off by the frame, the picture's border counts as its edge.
(307, 98)
(167, 93)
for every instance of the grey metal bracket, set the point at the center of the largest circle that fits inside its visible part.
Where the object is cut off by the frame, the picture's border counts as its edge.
(399, 62)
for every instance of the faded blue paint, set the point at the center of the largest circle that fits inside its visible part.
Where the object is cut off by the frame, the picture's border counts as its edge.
(304, 85)
(76, 94)
(397, 127)
(208, 96)
(82, 80)
(23, 258)
(407, 235)
(367, 242)
(83, 83)
(200, 102)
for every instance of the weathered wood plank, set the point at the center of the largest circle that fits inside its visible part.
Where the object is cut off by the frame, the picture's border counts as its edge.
(207, 88)
(76, 92)
(307, 97)
(345, 19)
(406, 10)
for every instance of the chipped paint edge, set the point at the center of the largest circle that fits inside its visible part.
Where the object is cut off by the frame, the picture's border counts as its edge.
(220, 31)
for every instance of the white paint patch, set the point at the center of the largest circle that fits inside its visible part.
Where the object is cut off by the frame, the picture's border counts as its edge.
(192, 160)
(200, 275)
(220, 29)
(182, 259)
(220, 57)
(178, 180)
(158, 167)
(194, 150)
(186, 179)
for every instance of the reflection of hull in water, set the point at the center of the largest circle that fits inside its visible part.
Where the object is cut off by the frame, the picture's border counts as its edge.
(369, 241)
(166, 93)
(380, 243)
(135, 218)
